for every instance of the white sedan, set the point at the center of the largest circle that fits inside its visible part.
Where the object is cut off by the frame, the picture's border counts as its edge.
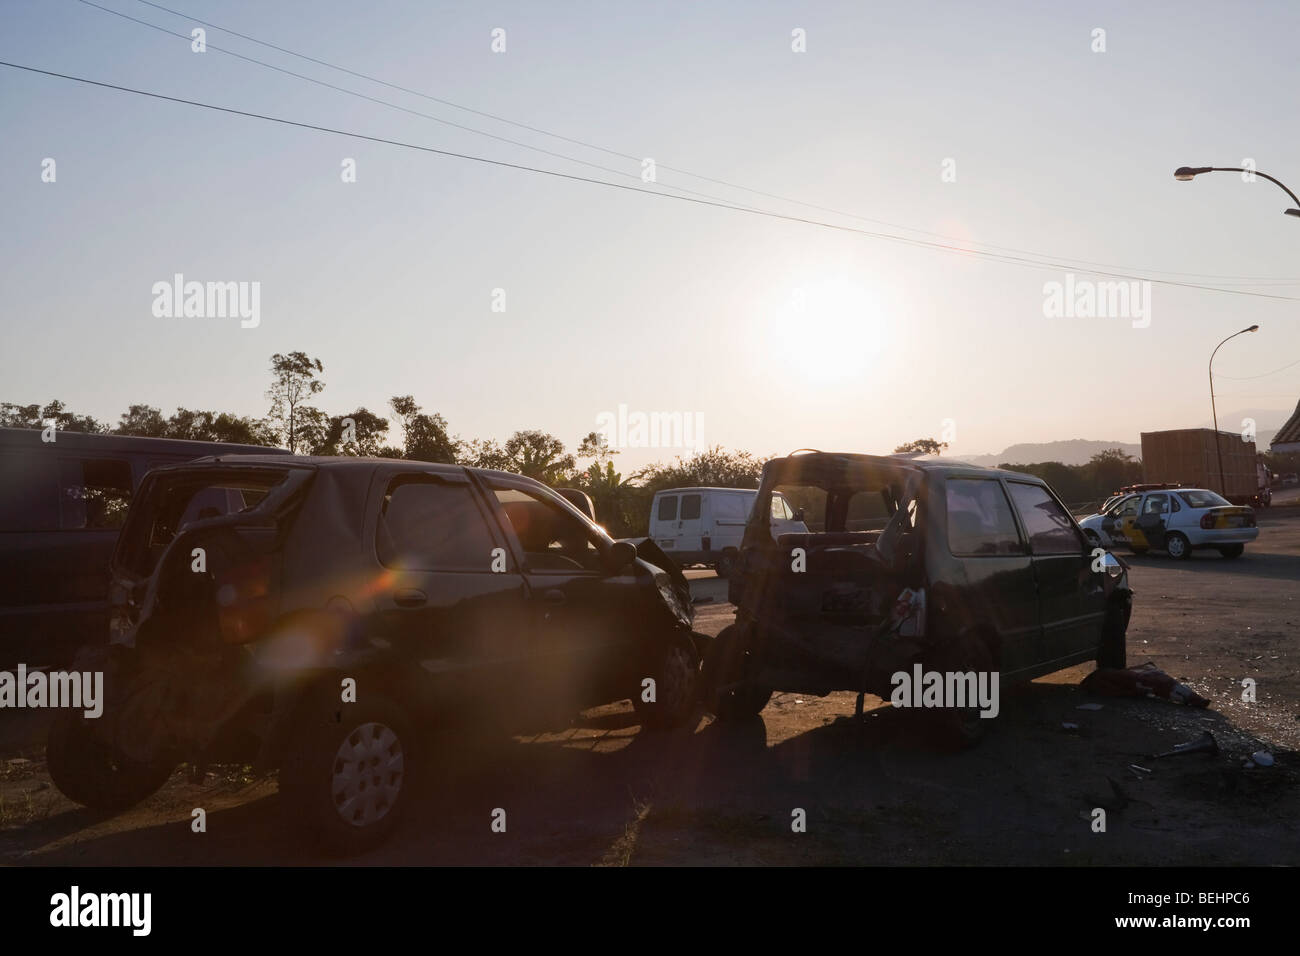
(1176, 521)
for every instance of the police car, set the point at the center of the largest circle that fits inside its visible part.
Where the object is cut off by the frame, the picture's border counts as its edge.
(1177, 521)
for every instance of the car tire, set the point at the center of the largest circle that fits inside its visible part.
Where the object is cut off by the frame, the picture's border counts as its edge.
(347, 780)
(725, 566)
(1232, 550)
(727, 662)
(1177, 546)
(953, 728)
(676, 676)
(86, 770)
(1112, 650)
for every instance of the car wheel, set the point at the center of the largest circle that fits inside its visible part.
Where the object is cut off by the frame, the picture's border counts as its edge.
(729, 662)
(676, 687)
(1112, 650)
(1177, 546)
(958, 728)
(347, 780)
(87, 771)
(1232, 550)
(726, 564)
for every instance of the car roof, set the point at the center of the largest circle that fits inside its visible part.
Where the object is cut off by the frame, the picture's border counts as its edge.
(673, 491)
(930, 464)
(131, 444)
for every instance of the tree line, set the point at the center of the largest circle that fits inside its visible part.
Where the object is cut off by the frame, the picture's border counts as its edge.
(622, 503)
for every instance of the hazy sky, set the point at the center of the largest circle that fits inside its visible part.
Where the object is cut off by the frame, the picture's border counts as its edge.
(779, 334)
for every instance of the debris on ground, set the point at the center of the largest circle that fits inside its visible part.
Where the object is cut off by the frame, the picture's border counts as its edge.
(1204, 744)
(1146, 680)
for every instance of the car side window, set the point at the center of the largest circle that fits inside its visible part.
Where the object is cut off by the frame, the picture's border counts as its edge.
(1173, 500)
(1050, 529)
(780, 510)
(690, 507)
(668, 508)
(979, 518)
(29, 493)
(432, 525)
(551, 538)
(94, 493)
(1127, 507)
(1156, 505)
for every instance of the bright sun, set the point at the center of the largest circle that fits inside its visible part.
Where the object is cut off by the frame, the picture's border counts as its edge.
(830, 330)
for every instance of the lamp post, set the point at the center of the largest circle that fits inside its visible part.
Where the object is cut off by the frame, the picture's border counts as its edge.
(1218, 446)
(1186, 174)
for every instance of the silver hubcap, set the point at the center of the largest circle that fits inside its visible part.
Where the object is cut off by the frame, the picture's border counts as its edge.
(367, 775)
(1175, 546)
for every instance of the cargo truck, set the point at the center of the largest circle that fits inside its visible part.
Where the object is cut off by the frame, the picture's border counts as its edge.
(1188, 457)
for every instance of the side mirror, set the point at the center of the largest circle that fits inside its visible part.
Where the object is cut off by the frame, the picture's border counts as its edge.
(619, 556)
(1111, 566)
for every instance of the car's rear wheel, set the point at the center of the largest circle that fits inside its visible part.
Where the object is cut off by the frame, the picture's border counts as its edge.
(958, 728)
(88, 771)
(726, 680)
(676, 685)
(726, 564)
(1232, 550)
(1177, 546)
(347, 780)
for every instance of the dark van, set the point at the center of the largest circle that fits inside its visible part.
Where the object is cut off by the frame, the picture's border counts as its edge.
(61, 505)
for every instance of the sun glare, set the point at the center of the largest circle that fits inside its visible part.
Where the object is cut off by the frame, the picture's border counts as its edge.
(831, 330)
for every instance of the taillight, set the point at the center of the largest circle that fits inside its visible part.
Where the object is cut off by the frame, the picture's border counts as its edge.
(1207, 521)
(244, 601)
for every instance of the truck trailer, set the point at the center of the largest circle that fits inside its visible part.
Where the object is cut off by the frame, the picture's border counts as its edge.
(1188, 457)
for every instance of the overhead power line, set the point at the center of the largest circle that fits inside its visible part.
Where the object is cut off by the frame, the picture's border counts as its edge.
(1247, 280)
(375, 99)
(943, 247)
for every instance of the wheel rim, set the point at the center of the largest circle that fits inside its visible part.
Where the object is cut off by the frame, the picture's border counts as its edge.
(368, 773)
(1176, 547)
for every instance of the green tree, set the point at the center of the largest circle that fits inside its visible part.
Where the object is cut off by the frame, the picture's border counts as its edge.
(219, 426)
(36, 416)
(595, 445)
(142, 420)
(924, 446)
(367, 432)
(538, 455)
(484, 453)
(614, 498)
(293, 382)
(425, 436)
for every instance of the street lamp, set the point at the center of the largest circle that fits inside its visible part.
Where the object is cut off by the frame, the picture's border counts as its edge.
(1218, 446)
(1185, 174)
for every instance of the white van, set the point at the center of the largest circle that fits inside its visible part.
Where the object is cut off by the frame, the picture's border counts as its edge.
(705, 525)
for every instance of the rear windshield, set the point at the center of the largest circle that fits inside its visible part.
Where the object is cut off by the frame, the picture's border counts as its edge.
(1202, 499)
(179, 500)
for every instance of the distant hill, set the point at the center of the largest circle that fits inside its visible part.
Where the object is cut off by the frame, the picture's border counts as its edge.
(1075, 451)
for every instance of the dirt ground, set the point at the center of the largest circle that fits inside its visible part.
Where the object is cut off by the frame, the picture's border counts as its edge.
(870, 791)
